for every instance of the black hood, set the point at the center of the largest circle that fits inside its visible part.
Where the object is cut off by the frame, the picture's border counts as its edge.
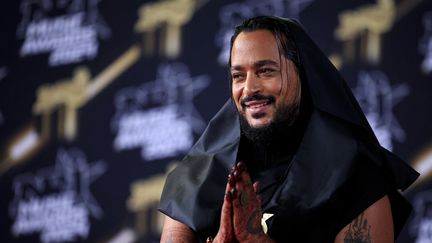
(339, 168)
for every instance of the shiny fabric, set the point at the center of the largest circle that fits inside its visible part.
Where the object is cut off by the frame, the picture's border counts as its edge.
(338, 170)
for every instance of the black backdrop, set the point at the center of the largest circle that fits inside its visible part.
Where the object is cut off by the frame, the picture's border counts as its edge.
(99, 98)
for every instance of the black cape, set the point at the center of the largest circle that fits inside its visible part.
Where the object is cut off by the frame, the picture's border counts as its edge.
(338, 171)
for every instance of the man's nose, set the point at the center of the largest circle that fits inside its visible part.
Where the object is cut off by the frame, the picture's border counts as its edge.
(252, 85)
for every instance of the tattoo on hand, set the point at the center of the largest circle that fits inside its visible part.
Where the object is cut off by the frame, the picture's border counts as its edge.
(358, 231)
(251, 227)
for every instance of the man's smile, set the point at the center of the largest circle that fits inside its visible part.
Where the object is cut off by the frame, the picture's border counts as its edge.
(257, 106)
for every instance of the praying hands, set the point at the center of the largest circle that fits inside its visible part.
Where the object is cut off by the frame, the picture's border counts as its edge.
(241, 211)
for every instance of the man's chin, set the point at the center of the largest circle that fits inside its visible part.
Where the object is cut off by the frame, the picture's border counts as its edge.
(256, 130)
(258, 124)
(259, 120)
(264, 128)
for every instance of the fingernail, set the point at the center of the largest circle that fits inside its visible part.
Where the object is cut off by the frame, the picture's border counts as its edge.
(231, 181)
(233, 193)
(257, 187)
(228, 197)
(241, 166)
(237, 176)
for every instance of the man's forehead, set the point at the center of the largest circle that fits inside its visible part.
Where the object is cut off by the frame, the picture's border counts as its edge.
(255, 48)
(257, 64)
(256, 38)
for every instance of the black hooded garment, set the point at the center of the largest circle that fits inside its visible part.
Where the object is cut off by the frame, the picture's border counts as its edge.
(338, 170)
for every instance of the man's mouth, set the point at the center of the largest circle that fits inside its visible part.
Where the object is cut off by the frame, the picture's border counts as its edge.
(256, 105)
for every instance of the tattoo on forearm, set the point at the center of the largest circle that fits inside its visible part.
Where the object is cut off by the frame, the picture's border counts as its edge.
(250, 226)
(358, 231)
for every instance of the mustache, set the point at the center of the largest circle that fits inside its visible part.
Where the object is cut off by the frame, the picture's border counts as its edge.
(270, 99)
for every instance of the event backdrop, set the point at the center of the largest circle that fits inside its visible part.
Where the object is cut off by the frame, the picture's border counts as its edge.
(100, 98)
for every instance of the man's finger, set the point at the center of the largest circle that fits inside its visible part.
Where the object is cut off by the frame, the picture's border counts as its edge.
(226, 223)
(256, 188)
(226, 214)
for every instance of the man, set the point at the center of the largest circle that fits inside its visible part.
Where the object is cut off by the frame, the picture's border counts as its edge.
(311, 168)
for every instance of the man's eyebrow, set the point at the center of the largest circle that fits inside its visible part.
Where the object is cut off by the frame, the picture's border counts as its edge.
(265, 62)
(236, 67)
(259, 63)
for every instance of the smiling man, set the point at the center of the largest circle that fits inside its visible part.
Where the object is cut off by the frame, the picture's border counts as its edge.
(265, 86)
(257, 74)
(301, 162)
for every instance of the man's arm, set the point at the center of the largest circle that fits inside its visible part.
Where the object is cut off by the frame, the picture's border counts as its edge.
(375, 224)
(175, 231)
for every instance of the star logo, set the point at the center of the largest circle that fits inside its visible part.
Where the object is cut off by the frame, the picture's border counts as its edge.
(378, 97)
(160, 116)
(58, 195)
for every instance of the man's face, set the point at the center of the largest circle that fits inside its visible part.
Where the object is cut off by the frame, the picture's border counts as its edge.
(263, 81)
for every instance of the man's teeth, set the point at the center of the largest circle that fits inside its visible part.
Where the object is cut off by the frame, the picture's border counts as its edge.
(257, 106)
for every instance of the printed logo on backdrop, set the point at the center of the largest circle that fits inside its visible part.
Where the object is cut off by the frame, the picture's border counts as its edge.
(377, 97)
(161, 24)
(233, 14)
(421, 225)
(56, 202)
(68, 30)
(425, 45)
(159, 117)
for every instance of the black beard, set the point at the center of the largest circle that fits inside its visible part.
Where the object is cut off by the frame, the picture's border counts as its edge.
(281, 125)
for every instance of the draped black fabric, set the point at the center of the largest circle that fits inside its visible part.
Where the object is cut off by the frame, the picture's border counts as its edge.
(338, 170)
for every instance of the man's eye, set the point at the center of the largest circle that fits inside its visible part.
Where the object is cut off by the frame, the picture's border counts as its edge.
(266, 71)
(237, 76)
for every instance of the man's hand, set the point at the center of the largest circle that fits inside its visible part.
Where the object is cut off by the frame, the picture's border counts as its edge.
(241, 211)
(247, 212)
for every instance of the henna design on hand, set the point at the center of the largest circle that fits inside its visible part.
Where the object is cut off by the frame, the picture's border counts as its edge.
(251, 226)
